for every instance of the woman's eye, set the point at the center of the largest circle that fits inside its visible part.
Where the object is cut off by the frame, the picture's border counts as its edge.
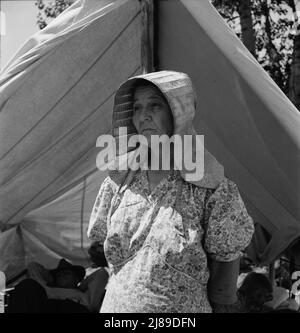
(155, 105)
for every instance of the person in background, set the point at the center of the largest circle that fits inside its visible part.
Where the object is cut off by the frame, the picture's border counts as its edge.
(66, 289)
(97, 275)
(50, 291)
(255, 291)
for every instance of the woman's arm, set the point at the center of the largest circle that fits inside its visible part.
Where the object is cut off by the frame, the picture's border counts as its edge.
(228, 230)
(222, 285)
(97, 228)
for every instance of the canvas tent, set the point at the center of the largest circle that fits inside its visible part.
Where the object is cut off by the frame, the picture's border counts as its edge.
(56, 99)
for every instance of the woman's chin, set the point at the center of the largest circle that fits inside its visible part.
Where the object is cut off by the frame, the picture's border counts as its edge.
(148, 135)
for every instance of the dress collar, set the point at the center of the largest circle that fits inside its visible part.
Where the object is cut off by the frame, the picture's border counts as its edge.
(166, 184)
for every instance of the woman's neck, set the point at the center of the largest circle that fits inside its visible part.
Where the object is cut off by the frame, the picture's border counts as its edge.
(155, 175)
(159, 163)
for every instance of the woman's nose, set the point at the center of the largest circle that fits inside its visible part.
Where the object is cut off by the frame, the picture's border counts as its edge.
(145, 114)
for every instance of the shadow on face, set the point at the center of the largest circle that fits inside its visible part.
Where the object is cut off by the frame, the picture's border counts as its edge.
(66, 278)
(151, 112)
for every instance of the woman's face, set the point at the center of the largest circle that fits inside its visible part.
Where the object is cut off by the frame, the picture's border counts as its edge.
(151, 113)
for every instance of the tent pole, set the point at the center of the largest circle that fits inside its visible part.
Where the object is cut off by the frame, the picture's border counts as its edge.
(147, 42)
(272, 273)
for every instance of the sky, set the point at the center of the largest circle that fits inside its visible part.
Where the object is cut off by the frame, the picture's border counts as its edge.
(17, 25)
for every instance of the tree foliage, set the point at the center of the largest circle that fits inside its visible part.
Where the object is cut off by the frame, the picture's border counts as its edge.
(273, 23)
(50, 9)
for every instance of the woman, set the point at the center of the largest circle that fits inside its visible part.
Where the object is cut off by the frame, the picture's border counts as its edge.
(161, 231)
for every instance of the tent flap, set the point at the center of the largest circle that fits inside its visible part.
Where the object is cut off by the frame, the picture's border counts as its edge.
(247, 121)
(12, 258)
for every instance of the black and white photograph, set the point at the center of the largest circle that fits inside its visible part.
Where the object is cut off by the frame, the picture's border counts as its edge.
(150, 159)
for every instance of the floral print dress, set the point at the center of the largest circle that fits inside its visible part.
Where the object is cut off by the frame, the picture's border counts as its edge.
(157, 242)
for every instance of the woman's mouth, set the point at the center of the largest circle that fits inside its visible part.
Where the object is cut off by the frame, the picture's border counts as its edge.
(147, 129)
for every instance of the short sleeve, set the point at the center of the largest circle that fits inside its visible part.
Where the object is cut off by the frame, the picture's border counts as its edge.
(97, 228)
(228, 226)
